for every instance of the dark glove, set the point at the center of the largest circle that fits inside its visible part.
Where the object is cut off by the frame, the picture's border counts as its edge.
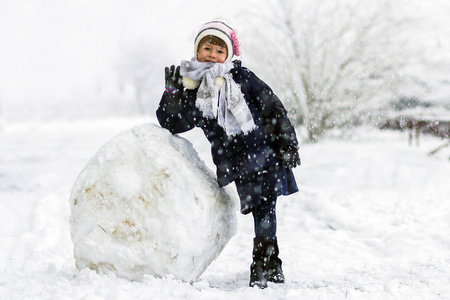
(289, 157)
(174, 82)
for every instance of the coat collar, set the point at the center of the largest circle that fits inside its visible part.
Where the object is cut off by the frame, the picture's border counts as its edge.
(192, 84)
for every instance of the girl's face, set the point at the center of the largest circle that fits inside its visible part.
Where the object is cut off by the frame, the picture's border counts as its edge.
(208, 52)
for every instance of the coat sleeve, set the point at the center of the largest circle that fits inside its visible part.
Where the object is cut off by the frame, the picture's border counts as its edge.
(273, 113)
(174, 113)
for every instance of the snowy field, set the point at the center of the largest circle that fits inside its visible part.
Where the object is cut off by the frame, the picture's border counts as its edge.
(372, 221)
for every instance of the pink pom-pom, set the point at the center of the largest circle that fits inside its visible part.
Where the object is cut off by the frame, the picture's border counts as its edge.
(236, 43)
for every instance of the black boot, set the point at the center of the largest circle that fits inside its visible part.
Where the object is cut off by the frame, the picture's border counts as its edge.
(259, 263)
(274, 273)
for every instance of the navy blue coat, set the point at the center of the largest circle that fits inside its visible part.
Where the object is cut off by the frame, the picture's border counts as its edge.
(239, 155)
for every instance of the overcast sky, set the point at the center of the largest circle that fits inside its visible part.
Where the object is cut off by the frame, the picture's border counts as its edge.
(57, 49)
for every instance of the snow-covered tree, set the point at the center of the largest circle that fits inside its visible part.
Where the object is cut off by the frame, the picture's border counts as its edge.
(136, 68)
(1, 117)
(331, 61)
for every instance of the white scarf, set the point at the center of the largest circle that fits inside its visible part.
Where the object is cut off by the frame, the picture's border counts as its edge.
(226, 103)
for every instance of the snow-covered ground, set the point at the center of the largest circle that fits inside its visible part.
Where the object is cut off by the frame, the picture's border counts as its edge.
(371, 221)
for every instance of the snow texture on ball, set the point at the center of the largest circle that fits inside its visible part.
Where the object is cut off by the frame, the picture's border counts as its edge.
(147, 204)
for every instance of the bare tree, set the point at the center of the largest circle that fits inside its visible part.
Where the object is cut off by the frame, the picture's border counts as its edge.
(334, 61)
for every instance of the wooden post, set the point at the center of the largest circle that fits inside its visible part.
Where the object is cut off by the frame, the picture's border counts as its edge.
(417, 132)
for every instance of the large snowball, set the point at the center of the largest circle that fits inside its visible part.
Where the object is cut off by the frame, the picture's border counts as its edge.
(147, 204)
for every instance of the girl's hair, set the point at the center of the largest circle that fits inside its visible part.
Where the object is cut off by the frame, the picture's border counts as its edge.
(212, 40)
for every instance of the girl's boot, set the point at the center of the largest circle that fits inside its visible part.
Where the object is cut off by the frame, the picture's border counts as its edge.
(259, 264)
(274, 273)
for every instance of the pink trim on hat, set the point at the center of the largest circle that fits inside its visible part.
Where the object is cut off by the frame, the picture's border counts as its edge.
(236, 43)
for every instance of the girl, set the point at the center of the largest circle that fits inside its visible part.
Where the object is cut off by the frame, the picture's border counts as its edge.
(252, 140)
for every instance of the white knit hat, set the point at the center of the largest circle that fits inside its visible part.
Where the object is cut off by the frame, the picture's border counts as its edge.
(223, 31)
